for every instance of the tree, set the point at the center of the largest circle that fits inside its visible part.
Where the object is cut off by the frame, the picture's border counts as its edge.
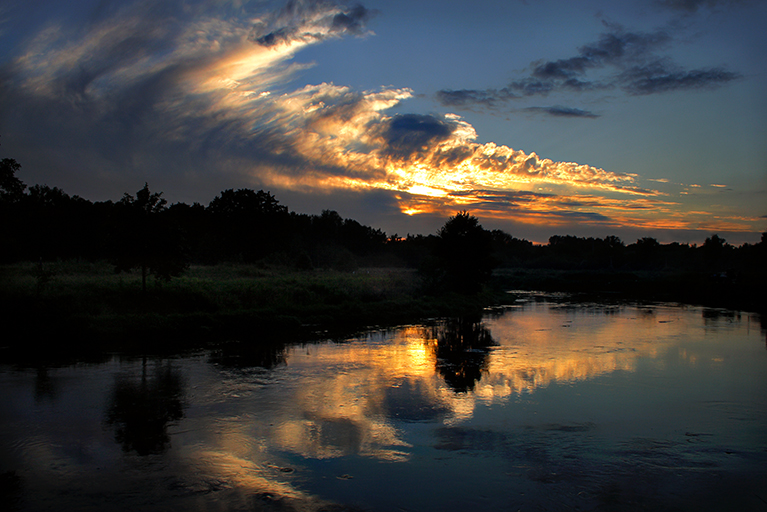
(11, 187)
(715, 251)
(12, 229)
(144, 238)
(248, 224)
(463, 260)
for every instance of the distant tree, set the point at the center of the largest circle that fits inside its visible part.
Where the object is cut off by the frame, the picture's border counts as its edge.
(12, 219)
(248, 224)
(463, 260)
(613, 249)
(715, 252)
(143, 238)
(11, 187)
(510, 251)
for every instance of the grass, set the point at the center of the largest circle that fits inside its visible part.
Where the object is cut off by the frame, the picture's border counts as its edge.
(47, 308)
(70, 306)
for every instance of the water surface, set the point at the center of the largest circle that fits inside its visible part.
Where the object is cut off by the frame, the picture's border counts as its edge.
(545, 405)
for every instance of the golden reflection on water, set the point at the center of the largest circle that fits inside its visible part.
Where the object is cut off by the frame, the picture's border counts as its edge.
(352, 394)
(347, 409)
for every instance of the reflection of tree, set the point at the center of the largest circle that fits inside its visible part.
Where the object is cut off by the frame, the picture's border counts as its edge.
(461, 348)
(140, 411)
(45, 385)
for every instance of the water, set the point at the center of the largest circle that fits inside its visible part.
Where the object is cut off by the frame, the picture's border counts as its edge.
(546, 405)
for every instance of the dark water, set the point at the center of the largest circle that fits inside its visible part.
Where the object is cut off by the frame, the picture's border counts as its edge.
(544, 406)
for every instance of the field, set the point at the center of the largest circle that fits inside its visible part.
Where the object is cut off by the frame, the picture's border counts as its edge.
(88, 304)
(81, 306)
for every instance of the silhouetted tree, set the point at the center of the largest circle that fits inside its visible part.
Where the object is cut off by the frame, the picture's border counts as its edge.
(145, 239)
(11, 187)
(248, 225)
(509, 251)
(463, 260)
(715, 252)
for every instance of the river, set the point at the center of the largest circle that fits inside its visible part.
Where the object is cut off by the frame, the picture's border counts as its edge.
(546, 404)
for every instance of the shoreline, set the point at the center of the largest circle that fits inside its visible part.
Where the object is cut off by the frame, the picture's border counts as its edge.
(251, 304)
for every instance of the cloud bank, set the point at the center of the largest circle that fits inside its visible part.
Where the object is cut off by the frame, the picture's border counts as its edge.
(204, 95)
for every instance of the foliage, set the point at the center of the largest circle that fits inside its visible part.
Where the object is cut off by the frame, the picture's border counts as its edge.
(11, 187)
(462, 259)
(143, 238)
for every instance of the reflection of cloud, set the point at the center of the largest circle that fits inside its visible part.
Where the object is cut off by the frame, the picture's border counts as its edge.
(352, 395)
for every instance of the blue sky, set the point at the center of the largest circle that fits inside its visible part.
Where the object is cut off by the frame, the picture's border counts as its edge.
(593, 118)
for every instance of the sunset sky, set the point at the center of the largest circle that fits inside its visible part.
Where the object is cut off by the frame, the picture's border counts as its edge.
(541, 117)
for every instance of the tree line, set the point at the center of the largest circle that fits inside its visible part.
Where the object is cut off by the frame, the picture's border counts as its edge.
(141, 231)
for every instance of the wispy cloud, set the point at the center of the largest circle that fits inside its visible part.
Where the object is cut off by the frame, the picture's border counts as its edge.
(619, 59)
(560, 111)
(692, 6)
(310, 21)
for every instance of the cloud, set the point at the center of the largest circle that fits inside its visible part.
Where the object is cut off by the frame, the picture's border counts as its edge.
(659, 77)
(623, 60)
(191, 99)
(692, 6)
(310, 21)
(411, 133)
(466, 97)
(560, 111)
(612, 49)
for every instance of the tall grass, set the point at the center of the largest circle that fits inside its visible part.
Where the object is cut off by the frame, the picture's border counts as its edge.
(88, 301)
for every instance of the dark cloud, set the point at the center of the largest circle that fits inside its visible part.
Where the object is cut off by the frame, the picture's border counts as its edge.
(559, 111)
(533, 86)
(408, 134)
(98, 126)
(311, 20)
(658, 77)
(692, 6)
(503, 197)
(518, 201)
(467, 97)
(632, 57)
(612, 49)
(281, 35)
(352, 21)
(586, 216)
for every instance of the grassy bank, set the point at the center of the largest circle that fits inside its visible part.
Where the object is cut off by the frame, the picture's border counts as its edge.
(87, 305)
(64, 307)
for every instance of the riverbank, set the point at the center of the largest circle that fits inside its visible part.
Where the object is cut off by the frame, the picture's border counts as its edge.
(64, 307)
(87, 305)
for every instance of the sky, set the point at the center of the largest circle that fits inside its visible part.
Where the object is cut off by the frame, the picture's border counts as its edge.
(540, 117)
